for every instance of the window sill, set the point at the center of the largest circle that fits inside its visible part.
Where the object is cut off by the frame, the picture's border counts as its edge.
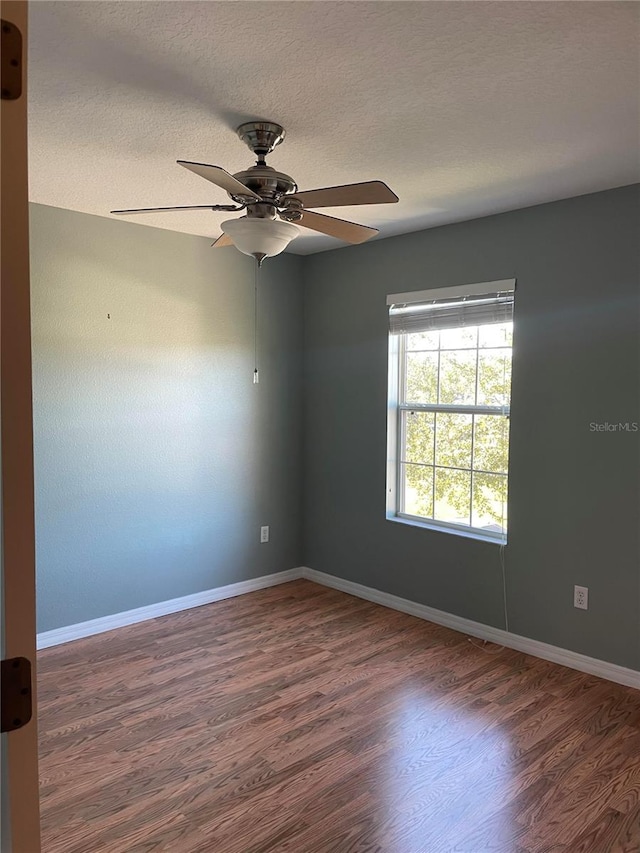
(441, 528)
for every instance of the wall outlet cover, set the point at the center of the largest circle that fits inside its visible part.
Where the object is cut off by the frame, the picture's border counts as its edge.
(581, 597)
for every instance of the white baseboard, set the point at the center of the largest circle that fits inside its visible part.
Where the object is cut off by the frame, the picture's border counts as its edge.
(583, 663)
(118, 620)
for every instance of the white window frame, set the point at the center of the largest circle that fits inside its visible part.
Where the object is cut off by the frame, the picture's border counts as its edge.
(395, 408)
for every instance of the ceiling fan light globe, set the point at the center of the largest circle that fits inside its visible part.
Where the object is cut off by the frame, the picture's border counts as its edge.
(267, 237)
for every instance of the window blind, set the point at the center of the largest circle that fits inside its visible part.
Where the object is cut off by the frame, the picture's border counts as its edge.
(471, 310)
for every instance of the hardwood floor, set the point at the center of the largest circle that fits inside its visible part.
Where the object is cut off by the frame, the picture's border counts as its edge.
(302, 720)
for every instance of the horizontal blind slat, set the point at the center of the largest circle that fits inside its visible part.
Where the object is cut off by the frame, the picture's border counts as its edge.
(451, 314)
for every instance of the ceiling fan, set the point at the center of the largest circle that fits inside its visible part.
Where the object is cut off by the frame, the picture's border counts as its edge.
(273, 203)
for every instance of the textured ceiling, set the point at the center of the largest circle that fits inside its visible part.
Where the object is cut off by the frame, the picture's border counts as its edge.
(463, 108)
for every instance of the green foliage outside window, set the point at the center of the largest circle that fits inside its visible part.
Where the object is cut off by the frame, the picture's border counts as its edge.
(456, 464)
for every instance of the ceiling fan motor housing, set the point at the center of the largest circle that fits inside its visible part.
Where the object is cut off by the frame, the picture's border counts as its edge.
(268, 183)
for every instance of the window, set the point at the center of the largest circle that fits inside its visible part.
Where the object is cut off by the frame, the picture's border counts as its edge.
(449, 403)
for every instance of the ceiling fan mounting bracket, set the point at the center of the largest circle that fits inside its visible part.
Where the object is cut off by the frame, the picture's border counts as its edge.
(261, 136)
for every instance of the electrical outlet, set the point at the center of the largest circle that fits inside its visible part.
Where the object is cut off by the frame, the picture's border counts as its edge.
(581, 597)
(264, 533)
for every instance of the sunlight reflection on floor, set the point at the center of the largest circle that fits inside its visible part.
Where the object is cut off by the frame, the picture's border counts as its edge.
(422, 792)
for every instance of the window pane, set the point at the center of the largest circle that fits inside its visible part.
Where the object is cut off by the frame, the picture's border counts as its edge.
(494, 377)
(496, 335)
(490, 502)
(417, 482)
(418, 431)
(453, 440)
(458, 377)
(453, 466)
(453, 496)
(462, 338)
(491, 443)
(422, 377)
(423, 340)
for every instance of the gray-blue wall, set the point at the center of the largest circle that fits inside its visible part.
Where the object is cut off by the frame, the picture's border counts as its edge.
(156, 457)
(574, 501)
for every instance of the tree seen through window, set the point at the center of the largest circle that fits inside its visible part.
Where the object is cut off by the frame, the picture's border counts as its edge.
(454, 463)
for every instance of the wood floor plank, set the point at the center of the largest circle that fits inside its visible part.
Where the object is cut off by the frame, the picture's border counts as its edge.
(299, 719)
(627, 839)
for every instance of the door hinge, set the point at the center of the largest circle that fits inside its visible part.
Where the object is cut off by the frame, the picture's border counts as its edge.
(17, 706)
(10, 61)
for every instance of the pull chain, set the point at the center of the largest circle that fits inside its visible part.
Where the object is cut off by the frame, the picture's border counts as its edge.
(256, 374)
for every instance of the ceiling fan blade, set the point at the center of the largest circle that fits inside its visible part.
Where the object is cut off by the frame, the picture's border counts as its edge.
(368, 192)
(164, 209)
(350, 232)
(223, 240)
(218, 176)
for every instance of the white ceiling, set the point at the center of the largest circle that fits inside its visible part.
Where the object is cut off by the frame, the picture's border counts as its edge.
(463, 108)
